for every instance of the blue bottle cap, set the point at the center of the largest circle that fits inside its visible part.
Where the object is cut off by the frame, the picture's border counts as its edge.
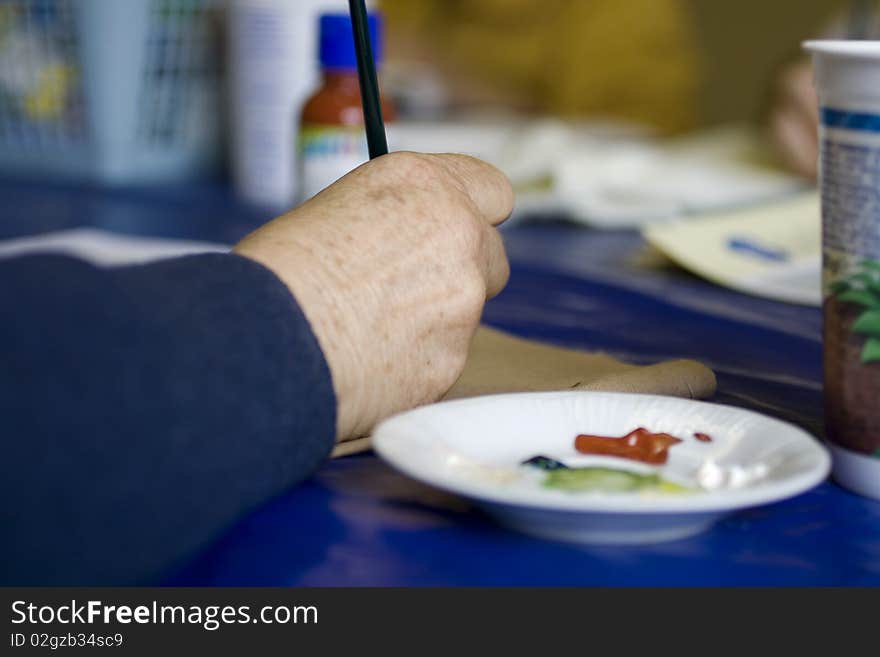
(337, 41)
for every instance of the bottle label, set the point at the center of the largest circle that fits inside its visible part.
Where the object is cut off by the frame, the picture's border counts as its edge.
(850, 180)
(328, 152)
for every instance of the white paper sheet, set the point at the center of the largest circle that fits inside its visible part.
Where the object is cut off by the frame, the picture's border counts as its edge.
(105, 248)
(769, 250)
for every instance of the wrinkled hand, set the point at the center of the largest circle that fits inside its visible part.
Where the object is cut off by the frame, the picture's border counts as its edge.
(392, 266)
(794, 120)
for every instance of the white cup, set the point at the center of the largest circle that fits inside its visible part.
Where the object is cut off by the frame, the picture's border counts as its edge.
(847, 78)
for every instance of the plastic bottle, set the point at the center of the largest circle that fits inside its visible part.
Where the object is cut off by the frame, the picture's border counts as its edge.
(272, 46)
(331, 136)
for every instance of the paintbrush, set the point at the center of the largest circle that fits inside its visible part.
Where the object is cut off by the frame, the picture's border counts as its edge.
(373, 122)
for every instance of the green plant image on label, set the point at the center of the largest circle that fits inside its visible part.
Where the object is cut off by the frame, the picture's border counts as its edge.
(860, 297)
(871, 350)
(862, 288)
(608, 480)
(868, 323)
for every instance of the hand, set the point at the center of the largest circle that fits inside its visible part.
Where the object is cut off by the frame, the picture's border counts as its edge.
(794, 121)
(392, 266)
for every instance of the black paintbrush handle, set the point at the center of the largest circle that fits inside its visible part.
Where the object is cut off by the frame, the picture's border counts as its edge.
(373, 122)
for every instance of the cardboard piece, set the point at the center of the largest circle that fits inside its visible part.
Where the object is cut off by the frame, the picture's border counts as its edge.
(500, 363)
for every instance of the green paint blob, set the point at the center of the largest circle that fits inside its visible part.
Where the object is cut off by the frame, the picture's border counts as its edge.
(608, 480)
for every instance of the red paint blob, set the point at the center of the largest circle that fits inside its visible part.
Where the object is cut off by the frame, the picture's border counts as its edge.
(638, 445)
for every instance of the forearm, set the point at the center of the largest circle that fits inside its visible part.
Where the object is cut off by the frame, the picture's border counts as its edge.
(143, 410)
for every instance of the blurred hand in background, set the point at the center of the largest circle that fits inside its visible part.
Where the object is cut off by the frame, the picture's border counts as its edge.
(794, 119)
(794, 115)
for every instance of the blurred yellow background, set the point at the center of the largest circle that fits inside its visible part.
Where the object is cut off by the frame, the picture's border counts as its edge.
(675, 64)
(744, 43)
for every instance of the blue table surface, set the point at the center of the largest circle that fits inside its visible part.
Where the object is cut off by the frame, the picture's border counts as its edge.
(357, 522)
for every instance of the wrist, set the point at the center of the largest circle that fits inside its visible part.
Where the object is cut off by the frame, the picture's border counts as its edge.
(312, 286)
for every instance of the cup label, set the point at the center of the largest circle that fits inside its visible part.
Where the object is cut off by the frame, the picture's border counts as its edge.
(850, 182)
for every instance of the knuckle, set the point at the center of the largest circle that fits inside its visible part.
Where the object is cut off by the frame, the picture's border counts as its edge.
(505, 191)
(472, 292)
(409, 167)
(457, 362)
(469, 236)
(503, 270)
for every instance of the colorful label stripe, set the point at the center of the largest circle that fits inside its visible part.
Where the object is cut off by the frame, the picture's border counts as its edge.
(864, 122)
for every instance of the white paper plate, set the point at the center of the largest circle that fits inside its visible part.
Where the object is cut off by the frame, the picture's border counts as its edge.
(474, 447)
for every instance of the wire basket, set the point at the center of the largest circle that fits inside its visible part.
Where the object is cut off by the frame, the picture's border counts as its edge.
(110, 91)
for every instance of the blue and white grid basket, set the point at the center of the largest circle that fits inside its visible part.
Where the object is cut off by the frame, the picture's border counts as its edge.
(110, 91)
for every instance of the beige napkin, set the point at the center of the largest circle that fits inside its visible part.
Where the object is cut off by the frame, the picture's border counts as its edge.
(499, 362)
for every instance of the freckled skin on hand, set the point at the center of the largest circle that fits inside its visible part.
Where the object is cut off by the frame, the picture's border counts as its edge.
(391, 266)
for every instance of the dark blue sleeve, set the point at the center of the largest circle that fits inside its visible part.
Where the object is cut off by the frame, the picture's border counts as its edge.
(144, 409)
